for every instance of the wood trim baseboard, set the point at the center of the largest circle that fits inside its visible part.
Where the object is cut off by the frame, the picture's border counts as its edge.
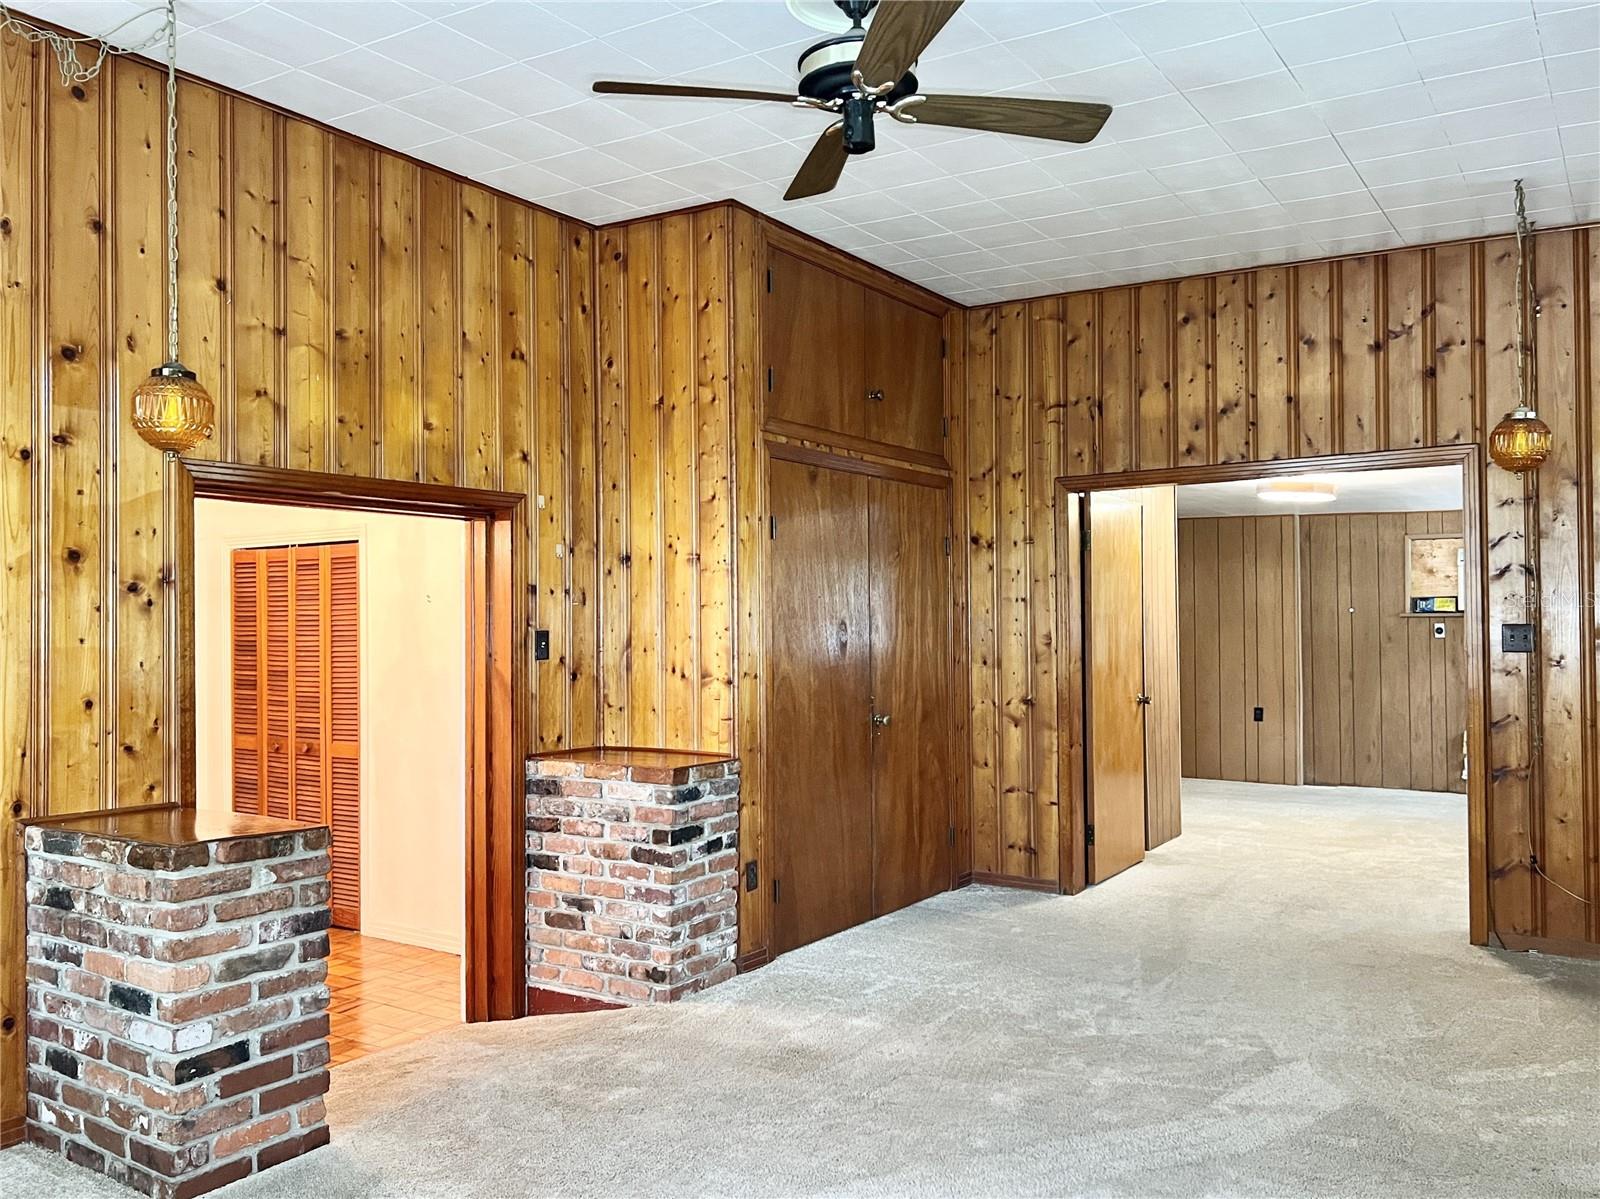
(13, 1132)
(753, 960)
(1015, 882)
(1555, 946)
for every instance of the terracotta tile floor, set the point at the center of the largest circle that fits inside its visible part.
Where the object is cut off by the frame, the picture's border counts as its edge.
(385, 993)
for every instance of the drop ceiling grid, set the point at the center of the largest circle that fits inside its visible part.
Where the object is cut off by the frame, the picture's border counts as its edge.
(1243, 133)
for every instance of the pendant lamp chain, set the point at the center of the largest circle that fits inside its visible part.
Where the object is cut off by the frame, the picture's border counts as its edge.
(1525, 304)
(172, 181)
(1521, 441)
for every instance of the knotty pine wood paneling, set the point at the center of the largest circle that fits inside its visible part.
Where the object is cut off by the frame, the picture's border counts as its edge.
(1413, 347)
(349, 310)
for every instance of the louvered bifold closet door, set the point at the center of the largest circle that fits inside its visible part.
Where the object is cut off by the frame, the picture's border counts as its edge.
(310, 683)
(247, 681)
(344, 706)
(277, 694)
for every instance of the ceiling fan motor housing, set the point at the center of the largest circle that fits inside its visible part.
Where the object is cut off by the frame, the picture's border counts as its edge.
(826, 71)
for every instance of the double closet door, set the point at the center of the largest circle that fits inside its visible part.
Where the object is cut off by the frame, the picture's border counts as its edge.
(858, 653)
(296, 698)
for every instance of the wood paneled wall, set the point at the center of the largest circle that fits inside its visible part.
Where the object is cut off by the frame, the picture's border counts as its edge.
(1385, 701)
(1407, 348)
(349, 310)
(1239, 648)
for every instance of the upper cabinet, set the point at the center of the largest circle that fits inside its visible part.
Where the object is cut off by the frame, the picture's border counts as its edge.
(846, 362)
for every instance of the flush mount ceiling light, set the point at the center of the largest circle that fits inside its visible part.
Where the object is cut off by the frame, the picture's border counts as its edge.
(1521, 441)
(171, 410)
(1296, 491)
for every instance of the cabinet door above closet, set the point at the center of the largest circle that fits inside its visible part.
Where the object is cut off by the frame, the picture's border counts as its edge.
(904, 375)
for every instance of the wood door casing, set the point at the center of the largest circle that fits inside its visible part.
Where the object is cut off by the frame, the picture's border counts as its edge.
(296, 698)
(911, 770)
(819, 759)
(904, 362)
(1114, 649)
(1163, 716)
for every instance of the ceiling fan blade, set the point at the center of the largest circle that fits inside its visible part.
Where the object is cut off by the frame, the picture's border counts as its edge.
(612, 87)
(1059, 120)
(899, 33)
(821, 170)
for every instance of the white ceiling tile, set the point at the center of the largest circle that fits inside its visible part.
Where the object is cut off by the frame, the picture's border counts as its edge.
(223, 61)
(588, 168)
(1169, 149)
(464, 156)
(1116, 189)
(372, 75)
(1478, 49)
(1121, 83)
(1402, 137)
(1241, 56)
(1322, 208)
(527, 141)
(1500, 120)
(1389, 106)
(602, 20)
(441, 52)
(1272, 128)
(453, 108)
(515, 28)
(1247, 97)
(1234, 196)
(1208, 172)
(1570, 72)
(1430, 18)
(647, 191)
(1356, 29)
(1305, 185)
(1568, 29)
(1518, 151)
(1157, 27)
(356, 21)
(1406, 168)
(1086, 45)
(267, 29)
(671, 45)
(391, 127)
(1371, 71)
(1578, 108)
(1313, 154)
(300, 91)
(1498, 85)
(1146, 118)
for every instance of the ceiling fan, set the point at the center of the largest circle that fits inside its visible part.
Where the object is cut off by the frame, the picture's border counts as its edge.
(863, 72)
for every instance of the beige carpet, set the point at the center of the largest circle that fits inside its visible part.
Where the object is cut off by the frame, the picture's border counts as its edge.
(1282, 1002)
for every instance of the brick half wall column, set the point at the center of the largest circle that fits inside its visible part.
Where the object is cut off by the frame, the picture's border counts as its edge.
(177, 995)
(633, 875)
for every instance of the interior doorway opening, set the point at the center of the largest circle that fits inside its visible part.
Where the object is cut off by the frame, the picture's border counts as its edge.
(1307, 636)
(331, 667)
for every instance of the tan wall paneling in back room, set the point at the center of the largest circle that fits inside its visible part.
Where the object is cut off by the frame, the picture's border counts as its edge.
(349, 311)
(1238, 616)
(1392, 350)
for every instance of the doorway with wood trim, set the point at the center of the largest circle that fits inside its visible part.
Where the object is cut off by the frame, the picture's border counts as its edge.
(1221, 678)
(314, 606)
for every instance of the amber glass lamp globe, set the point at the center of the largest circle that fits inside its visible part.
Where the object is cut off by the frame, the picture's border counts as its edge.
(171, 410)
(1520, 442)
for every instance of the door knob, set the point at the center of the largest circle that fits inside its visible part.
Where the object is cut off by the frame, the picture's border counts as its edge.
(880, 720)
(876, 395)
(1142, 699)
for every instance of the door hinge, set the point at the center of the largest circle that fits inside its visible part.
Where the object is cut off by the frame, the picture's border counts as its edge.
(950, 839)
(944, 426)
(1083, 539)
(944, 347)
(772, 528)
(769, 378)
(777, 890)
(769, 278)
(947, 546)
(752, 875)
(1089, 835)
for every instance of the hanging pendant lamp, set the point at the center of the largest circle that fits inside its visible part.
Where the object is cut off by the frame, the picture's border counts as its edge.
(1521, 441)
(171, 410)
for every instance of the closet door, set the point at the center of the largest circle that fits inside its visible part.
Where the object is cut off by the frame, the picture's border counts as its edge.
(277, 696)
(819, 757)
(904, 375)
(246, 685)
(909, 590)
(813, 341)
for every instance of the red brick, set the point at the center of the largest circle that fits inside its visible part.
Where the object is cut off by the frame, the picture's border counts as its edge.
(253, 1078)
(248, 1136)
(282, 1151)
(314, 1029)
(301, 1089)
(201, 1184)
